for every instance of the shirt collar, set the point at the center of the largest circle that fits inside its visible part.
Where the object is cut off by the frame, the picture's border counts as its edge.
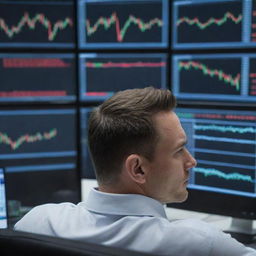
(123, 204)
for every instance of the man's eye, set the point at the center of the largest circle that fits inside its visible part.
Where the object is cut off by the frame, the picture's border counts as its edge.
(180, 150)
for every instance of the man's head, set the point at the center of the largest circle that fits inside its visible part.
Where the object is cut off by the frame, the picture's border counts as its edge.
(133, 139)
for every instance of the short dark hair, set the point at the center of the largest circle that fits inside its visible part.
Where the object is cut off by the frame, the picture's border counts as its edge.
(122, 125)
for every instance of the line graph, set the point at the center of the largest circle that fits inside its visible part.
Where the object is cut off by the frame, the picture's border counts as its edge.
(113, 20)
(208, 23)
(15, 144)
(31, 22)
(138, 64)
(223, 139)
(211, 21)
(207, 172)
(224, 129)
(233, 81)
(108, 73)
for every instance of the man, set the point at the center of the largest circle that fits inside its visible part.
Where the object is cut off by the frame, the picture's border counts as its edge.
(138, 148)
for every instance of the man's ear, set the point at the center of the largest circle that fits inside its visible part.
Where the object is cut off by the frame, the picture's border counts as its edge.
(133, 166)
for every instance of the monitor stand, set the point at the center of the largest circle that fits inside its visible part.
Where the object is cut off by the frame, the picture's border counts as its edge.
(242, 230)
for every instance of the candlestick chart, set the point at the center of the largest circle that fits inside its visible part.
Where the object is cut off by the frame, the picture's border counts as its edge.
(36, 24)
(127, 23)
(210, 76)
(35, 131)
(209, 22)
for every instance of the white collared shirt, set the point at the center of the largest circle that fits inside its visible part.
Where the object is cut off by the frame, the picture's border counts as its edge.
(133, 222)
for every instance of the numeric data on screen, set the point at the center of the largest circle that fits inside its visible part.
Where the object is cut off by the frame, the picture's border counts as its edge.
(123, 24)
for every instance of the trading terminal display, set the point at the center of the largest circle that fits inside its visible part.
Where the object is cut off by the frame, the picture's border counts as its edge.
(123, 24)
(225, 78)
(223, 142)
(3, 205)
(101, 75)
(37, 23)
(38, 147)
(87, 169)
(214, 24)
(37, 77)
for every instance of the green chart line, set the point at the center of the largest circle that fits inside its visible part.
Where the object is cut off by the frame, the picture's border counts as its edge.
(5, 139)
(52, 29)
(203, 25)
(120, 32)
(227, 78)
(231, 176)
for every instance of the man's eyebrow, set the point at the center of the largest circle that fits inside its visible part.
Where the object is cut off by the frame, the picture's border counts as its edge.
(181, 143)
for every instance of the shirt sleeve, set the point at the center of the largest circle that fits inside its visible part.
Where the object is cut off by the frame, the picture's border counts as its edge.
(224, 244)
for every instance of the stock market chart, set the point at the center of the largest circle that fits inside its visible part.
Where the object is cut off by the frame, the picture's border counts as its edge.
(131, 24)
(223, 142)
(37, 77)
(101, 75)
(218, 77)
(213, 24)
(36, 23)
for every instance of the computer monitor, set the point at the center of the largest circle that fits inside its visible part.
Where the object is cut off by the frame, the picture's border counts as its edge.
(87, 169)
(38, 148)
(101, 75)
(37, 24)
(224, 144)
(215, 24)
(224, 180)
(117, 24)
(3, 204)
(88, 177)
(37, 77)
(225, 79)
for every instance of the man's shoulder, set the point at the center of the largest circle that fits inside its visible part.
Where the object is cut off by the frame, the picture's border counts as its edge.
(41, 216)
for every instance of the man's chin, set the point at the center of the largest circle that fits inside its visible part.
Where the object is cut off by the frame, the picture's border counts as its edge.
(180, 198)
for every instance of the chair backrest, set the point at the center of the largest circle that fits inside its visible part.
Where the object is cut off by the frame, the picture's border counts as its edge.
(23, 243)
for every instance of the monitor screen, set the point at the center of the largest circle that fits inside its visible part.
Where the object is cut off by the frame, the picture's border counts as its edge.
(223, 143)
(87, 169)
(37, 78)
(35, 23)
(123, 24)
(39, 153)
(3, 204)
(222, 78)
(213, 24)
(101, 75)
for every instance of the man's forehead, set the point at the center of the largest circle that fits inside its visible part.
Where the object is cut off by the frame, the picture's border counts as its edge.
(168, 124)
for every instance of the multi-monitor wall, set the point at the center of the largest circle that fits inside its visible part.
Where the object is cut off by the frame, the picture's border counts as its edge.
(61, 58)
